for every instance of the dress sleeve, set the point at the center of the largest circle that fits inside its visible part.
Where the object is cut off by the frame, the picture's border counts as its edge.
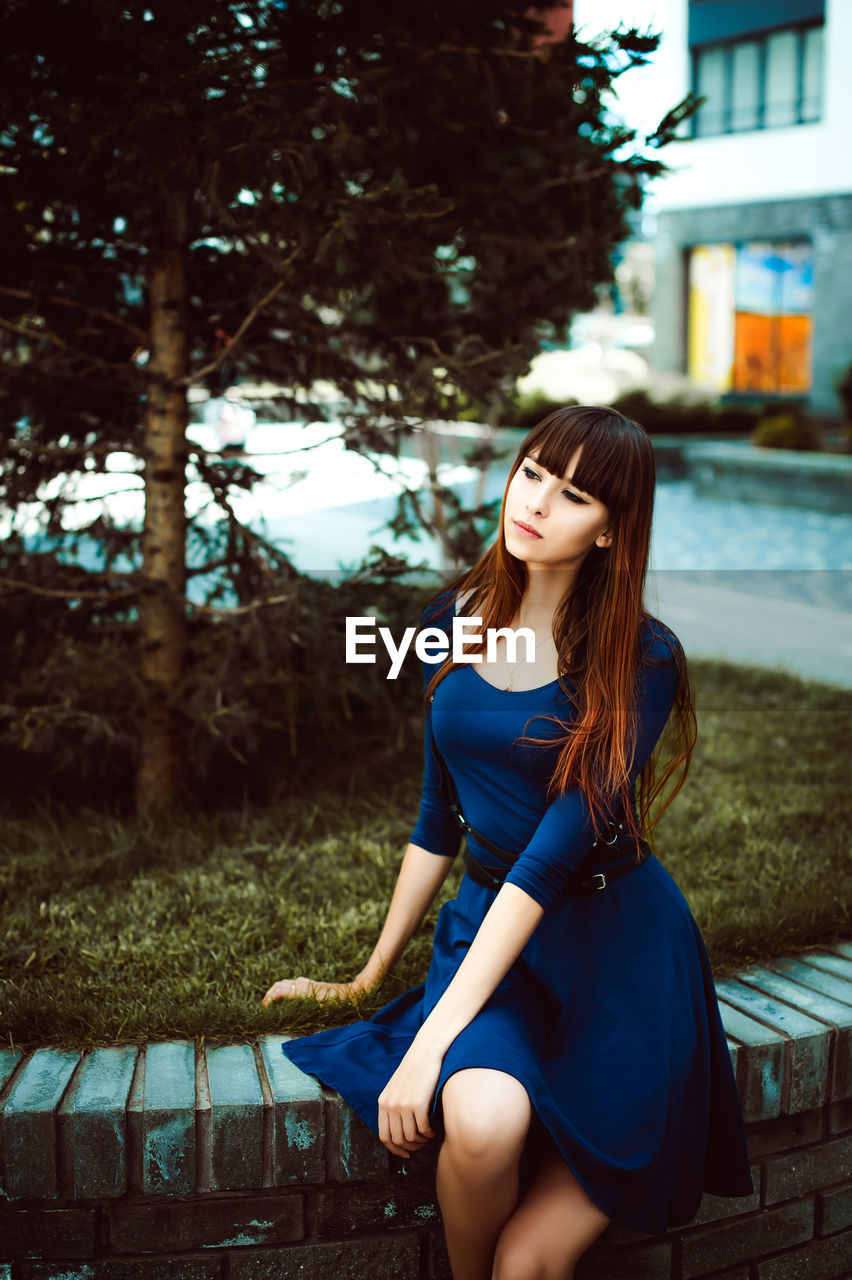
(565, 833)
(437, 830)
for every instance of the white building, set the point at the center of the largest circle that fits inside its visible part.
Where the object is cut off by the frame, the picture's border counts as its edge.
(754, 233)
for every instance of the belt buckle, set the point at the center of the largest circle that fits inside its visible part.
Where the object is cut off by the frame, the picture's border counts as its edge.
(601, 876)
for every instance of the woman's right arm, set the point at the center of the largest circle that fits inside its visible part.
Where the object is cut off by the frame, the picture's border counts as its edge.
(420, 877)
(434, 843)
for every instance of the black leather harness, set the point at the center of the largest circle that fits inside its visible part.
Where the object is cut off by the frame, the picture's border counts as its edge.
(493, 877)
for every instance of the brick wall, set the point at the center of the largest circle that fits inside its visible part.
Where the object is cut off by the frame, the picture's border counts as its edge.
(229, 1164)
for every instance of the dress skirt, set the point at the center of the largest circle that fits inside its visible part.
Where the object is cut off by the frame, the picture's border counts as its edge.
(609, 1020)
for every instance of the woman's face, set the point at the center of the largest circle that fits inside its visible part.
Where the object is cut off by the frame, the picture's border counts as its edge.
(549, 522)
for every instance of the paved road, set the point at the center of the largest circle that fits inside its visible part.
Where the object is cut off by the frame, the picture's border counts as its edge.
(715, 622)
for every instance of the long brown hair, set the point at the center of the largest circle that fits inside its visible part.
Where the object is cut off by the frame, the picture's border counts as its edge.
(598, 623)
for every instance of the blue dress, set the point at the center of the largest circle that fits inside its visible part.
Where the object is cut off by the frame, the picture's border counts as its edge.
(609, 1016)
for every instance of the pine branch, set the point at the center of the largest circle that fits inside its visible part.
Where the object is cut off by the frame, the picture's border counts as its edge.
(71, 499)
(471, 51)
(572, 179)
(58, 711)
(239, 608)
(227, 352)
(30, 449)
(137, 333)
(47, 334)
(456, 362)
(197, 450)
(195, 570)
(15, 584)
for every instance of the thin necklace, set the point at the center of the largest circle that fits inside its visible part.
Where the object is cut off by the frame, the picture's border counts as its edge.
(508, 688)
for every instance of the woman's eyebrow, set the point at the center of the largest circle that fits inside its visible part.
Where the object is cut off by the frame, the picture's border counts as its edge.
(564, 479)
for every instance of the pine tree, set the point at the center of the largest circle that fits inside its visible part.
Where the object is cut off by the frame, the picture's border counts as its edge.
(393, 199)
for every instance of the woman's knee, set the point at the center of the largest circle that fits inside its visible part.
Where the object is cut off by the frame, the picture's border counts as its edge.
(520, 1260)
(529, 1258)
(486, 1116)
(550, 1230)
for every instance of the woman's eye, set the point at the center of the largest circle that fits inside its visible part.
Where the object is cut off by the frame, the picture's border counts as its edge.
(573, 497)
(530, 474)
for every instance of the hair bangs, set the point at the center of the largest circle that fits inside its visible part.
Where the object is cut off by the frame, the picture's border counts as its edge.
(600, 468)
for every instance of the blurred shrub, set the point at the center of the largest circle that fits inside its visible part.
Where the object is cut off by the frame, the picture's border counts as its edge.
(844, 395)
(665, 417)
(524, 411)
(685, 417)
(737, 417)
(786, 430)
(658, 417)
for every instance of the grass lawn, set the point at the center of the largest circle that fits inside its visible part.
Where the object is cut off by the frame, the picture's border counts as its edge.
(117, 930)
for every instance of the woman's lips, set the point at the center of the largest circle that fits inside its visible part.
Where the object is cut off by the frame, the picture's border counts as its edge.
(525, 530)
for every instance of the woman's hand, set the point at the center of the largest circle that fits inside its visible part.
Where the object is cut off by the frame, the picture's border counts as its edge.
(405, 1100)
(300, 988)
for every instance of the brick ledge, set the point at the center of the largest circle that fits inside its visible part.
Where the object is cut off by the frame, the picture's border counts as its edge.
(164, 1119)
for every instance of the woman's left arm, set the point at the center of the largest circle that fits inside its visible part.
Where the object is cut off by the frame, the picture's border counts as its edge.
(405, 1100)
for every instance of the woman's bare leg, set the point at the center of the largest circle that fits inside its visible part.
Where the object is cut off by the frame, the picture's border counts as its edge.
(487, 1117)
(550, 1230)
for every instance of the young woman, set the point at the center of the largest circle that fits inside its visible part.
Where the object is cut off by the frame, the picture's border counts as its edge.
(566, 1048)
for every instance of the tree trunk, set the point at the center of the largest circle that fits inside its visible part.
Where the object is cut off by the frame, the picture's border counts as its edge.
(160, 777)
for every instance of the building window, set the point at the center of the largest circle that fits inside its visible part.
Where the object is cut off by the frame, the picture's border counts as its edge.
(745, 86)
(762, 82)
(811, 97)
(751, 317)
